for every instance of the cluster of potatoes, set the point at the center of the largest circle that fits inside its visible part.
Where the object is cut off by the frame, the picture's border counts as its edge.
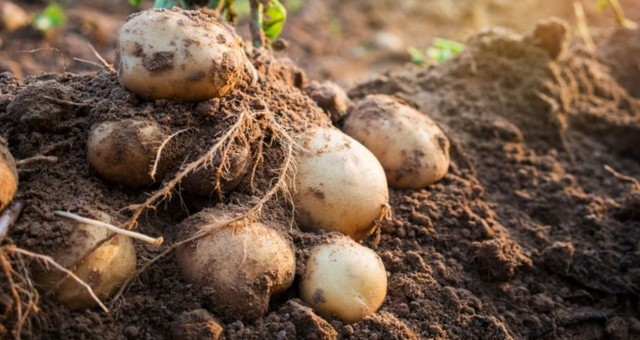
(340, 184)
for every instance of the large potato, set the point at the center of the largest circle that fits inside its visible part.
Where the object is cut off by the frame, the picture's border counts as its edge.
(178, 54)
(339, 184)
(414, 152)
(8, 175)
(124, 151)
(345, 280)
(238, 266)
(102, 263)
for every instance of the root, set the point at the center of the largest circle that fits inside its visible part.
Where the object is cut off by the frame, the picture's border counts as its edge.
(155, 241)
(50, 261)
(616, 174)
(167, 189)
(36, 159)
(248, 127)
(105, 64)
(64, 56)
(67, 102)
(154, 169)
(583, 27)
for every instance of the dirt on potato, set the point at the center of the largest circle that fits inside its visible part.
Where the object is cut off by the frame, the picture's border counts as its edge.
(532, 233)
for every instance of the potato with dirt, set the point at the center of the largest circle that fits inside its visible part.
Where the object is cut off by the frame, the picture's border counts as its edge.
(339, 184)
(96, 256)
(344, 279)
(125, 151)
(238, 265)
(179, 55)
(8, 175)
(413, 150)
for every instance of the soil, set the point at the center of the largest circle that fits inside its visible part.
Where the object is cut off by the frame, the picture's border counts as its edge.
(533, 233)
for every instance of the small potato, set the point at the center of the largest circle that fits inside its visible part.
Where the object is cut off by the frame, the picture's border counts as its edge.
(414, 152)
(8, 175)
(339, 184)
(102, 263)
(238, 266)
(344, 279)
(203, 181)
(124, 151)
(179, 55)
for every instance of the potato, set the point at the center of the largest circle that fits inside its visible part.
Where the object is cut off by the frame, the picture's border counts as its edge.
(414, 152)
(344, 279)
(124, 151)
(339, 184)
(178, 54)
(203, 181)
(102, 263)
(8, 175)
(238, 266)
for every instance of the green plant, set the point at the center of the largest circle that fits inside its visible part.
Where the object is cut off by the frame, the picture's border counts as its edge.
(50, 18)
(442, 50)
(267, 16)
(621, 19)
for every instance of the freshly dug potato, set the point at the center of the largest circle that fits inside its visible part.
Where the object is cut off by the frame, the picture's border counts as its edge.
(339, 184)
(238, 266)
(8, 175)
(178, 54)
(414, 152)
(102, 263)
(344, 279)
(203, 181)
(124, 151)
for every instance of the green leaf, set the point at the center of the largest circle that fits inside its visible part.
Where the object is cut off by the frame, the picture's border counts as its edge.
(442, 50)
(51, 17)
(274, 18)
(135, 2)
(170, 3)
(417, 57)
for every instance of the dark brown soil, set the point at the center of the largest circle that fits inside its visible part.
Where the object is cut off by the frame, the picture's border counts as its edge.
(528, 235)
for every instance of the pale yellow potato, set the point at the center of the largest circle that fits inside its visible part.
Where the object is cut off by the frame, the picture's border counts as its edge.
(412, 149)
(339, 184)
(239, 266)
(344, 280)
(8, 175)
(102, 262)
(179, 55)
(124, 151)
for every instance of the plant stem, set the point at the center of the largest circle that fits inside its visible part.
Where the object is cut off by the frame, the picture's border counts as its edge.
(255, 25)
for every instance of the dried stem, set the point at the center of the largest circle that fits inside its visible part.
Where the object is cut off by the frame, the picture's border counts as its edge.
(105, 64)
(52, 262)
(36, 159)
(155, 241)
(583, 27)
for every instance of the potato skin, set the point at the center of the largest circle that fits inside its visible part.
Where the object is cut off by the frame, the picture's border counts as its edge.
(179, 55)
(344, 279)
(339, 184)
(124, 151)
(101, 262)
(238, 266)
(412, 149)
(8, 175)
